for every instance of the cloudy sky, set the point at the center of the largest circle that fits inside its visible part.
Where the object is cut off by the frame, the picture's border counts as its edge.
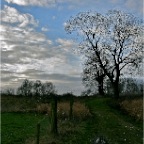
(34, 44)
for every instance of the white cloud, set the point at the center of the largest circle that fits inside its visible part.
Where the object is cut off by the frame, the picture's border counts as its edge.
(11, 15)
(84, 4)
(22, 2)
(65, 42)
(44, 29)
(33, 2)
(23, 49)
(74, 4)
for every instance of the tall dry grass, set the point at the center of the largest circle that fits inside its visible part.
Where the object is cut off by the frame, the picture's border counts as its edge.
(134, 107)
(17, 104)
(24, 104)
(79, 110)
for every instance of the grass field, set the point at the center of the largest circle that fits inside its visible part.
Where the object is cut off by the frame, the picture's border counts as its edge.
(104, 121)
(20, 128)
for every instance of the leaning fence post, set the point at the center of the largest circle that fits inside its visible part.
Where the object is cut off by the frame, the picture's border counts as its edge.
(38, 133)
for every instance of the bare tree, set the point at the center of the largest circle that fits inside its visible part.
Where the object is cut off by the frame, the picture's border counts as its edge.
(26, 88)
(93, 76)
(48, 88)
(37, 88)
(115, 39)
(8, 92)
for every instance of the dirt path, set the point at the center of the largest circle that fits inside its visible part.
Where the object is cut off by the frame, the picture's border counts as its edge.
(113, 125)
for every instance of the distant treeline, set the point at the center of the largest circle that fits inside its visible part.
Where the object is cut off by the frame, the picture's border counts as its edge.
(37, 89)
(43, 91)
(127, 86)
(32, 89)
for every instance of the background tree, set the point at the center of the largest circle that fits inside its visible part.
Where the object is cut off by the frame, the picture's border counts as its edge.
(132, 86)
(40, 90)
(47, 89)
(127, 86)
(37, 88)
(26, 88)
(93, 76)
(115, 39)
(87, 92)
(8, 92)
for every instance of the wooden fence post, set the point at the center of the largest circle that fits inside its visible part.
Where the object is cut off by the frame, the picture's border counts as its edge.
(38, 133)
(71, 107)
(54, 130)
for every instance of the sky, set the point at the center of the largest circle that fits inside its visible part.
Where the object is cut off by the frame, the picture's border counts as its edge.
(35, 45)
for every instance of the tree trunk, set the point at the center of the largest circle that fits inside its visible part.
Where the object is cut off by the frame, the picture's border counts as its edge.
(100, 88)
(116, 89)
(54, 130)
(100, 80)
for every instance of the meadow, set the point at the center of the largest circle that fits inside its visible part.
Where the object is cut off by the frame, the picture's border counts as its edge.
(93, 118)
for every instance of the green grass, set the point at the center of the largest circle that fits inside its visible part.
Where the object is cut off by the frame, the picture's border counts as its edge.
(110, 123)
(19, 127)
